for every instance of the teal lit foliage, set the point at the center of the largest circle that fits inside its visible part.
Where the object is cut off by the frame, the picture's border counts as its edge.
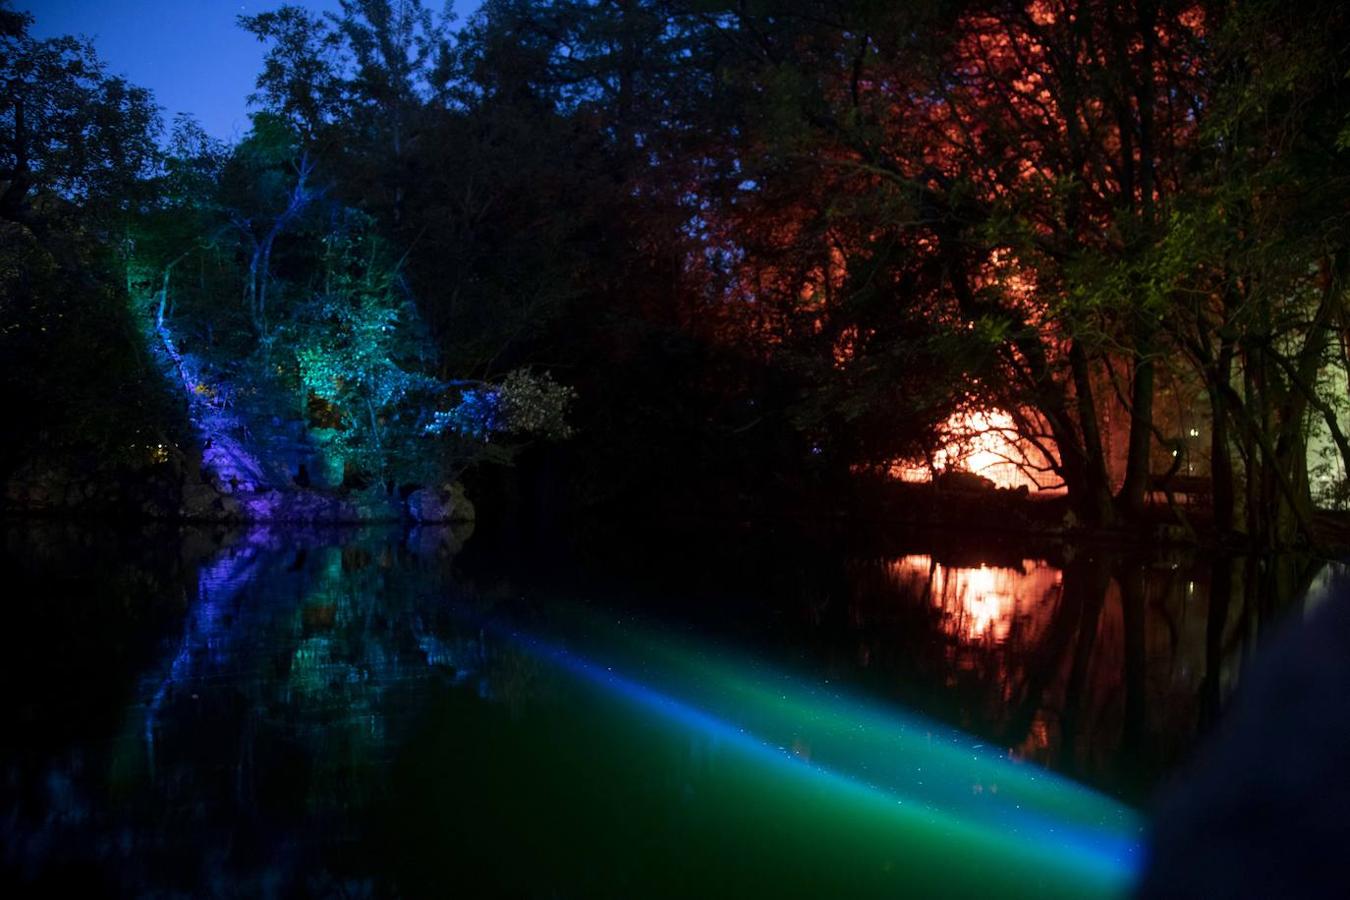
(327, 363)
(360, 348)
(364, 361)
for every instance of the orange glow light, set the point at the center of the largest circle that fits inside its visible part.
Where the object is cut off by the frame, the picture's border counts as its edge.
(985, 443)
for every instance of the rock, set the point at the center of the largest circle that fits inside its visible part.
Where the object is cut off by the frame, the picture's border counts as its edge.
(448, 504)
(965, 482)
(309, 507)
(424, 506)
(200, 501)
(37, 489)
(229, 509)
(373, 509)
(460, 506)
(260, 506)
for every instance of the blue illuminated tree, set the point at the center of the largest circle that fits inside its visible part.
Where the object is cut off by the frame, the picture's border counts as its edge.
(522, 404)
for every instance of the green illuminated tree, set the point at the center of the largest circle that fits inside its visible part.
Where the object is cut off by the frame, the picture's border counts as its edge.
(360, 349)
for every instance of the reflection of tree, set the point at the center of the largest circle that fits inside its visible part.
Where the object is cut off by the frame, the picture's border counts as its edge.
(1073, 622)
(1105, 665)
(299, 674)
(1091, 585)
(218, 583)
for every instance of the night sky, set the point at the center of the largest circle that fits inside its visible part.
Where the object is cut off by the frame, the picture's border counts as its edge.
(189, 52)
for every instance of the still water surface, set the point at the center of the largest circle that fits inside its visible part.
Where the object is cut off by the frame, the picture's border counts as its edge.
(368, 713)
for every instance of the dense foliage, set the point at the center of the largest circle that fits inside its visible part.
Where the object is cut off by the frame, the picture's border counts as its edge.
(76, 145)
(745, 250)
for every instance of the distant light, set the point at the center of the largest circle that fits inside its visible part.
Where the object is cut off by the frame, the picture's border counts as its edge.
(1195, 432)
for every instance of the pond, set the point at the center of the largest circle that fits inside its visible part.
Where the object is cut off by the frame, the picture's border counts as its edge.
(758, 712)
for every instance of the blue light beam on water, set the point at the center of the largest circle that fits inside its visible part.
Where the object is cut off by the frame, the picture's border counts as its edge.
(872, 755)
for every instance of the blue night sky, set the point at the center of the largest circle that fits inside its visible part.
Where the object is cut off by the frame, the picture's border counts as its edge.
(190, 53)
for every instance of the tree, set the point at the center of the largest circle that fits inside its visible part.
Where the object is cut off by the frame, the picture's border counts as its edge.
(354, 85)
(1256, 259)
(67, 129)
(75, 145)
(358, 345)
(970, 169)
(266, 186)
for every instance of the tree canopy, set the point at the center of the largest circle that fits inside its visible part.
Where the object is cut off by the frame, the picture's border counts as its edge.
(774, 244)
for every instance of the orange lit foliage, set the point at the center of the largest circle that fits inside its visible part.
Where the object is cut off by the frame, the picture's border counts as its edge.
(973, 176)
(1068, 119)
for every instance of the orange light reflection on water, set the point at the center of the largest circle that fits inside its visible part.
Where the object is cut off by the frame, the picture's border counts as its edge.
(984, 603)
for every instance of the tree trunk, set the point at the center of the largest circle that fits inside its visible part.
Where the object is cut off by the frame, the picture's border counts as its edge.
(1220, 464)
(1097, 501)
(1220, 449)
(251, 288)
(263, 278)
(1138, 460)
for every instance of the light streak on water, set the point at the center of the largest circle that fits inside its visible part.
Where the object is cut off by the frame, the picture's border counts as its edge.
(961, 816)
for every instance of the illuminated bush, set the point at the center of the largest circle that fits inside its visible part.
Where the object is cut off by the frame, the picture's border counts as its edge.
(523, 404)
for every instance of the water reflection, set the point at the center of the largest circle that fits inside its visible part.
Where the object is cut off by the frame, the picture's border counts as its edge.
(1105, 665)
(347, 713)
(982, 603)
